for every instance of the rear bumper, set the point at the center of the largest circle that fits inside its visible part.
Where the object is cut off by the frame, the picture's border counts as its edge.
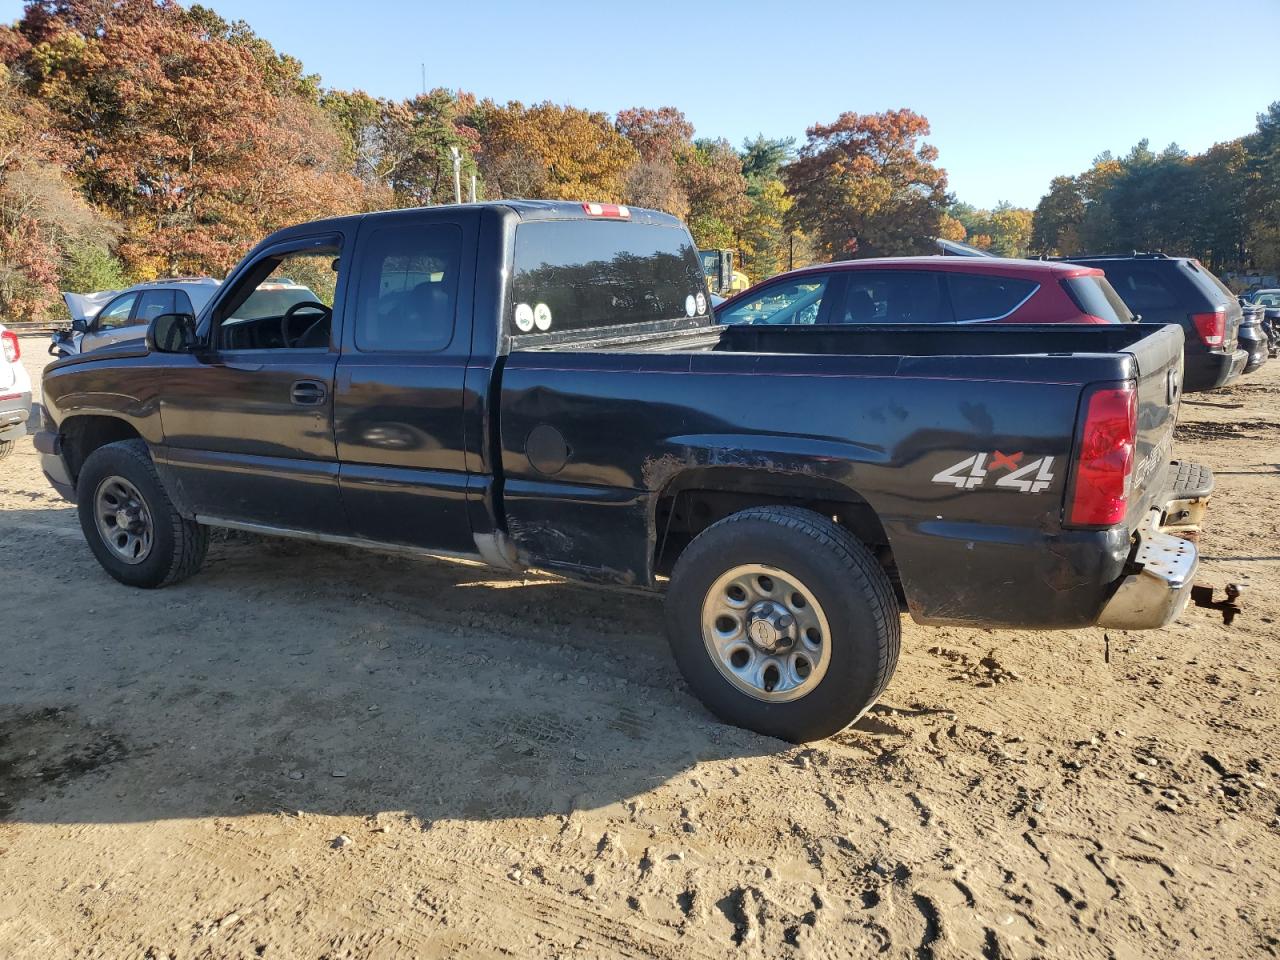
(1257, 349)
(1206, 371)
(1163, 565)
(14, 414)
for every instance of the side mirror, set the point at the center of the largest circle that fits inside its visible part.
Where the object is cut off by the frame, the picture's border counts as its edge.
(80, 326)
(172, 333)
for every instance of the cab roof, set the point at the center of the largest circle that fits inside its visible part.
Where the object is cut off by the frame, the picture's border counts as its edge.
(524, 209)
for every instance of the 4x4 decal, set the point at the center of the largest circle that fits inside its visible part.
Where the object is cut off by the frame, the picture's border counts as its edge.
(972, 472)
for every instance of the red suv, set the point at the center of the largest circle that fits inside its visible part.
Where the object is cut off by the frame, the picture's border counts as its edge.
(930, 290)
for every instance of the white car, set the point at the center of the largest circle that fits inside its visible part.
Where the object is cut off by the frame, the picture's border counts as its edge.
(116, 316)
(15, 393)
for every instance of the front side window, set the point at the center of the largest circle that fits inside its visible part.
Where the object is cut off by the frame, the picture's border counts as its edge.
(981, 297)
(284, 302)
(790, 302)
(116, 313)
(893, 296)
(408, 287)
(585, 274)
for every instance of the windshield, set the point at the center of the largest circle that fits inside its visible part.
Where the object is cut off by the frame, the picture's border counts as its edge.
(583, 274)
(273, 301)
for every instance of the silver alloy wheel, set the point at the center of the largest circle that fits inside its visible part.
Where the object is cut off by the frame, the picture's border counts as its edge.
(766, 633)
(123, 520)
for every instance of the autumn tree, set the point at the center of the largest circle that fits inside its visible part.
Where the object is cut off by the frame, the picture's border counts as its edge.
(662, 139)
(1055, 225)
(662, 135)
(552, 152)
(1004, 231)
(867, 185)
(711, 177)
(765, 241)
(177, 129)
(47, 230)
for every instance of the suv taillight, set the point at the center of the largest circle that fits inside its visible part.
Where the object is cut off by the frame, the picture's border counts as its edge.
(1212, 327)
(1104, 462)
(11, 349)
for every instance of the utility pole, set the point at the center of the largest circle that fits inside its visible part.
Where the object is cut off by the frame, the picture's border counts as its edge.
(457, 174)
(424, 79)
(473, 188)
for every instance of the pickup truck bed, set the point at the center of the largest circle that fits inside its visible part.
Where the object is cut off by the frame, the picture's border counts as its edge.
(541, 385)
(859, 419)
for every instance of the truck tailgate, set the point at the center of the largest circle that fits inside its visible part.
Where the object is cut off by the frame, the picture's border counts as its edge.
(1159, 361)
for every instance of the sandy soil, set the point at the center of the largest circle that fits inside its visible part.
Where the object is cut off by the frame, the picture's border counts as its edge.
(312, 752)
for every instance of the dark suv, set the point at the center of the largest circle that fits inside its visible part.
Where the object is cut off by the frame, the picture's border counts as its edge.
(1163, 289)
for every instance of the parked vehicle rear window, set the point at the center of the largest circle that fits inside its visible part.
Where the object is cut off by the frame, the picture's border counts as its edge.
(892, 296)
(980, 297)
(1093, 295)
(582, 274)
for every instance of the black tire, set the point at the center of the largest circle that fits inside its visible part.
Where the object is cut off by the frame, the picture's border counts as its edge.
(6, 447)
(178, 545)
(849, 585)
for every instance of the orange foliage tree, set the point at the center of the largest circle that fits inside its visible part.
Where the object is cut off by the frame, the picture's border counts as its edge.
(866, 185)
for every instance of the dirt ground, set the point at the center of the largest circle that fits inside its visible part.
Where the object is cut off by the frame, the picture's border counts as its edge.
(320, 753)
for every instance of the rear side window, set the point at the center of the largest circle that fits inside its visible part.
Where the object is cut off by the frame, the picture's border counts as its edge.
(584, 274)
(1142, 288)
(980, 297)
(182, 303)
(1093, 295)
(153, 303)
(409, 287)
(1218, 291)
(791, 302)
(893, 296)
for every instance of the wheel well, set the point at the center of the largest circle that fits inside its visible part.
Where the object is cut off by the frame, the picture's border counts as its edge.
(85, 434)
(696, 499)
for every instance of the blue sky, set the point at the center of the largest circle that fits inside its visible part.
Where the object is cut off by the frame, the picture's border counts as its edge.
(1016, 92)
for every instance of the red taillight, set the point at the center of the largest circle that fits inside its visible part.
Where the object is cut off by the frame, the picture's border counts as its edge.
(11, 349)
(606, 210)
(1104, 463)
(1212, 327)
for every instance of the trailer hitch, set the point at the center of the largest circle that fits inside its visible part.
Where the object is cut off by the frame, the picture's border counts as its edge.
(1202, 596)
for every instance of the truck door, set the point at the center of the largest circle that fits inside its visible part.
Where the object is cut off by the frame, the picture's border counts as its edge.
(398, 413)
(248, 418)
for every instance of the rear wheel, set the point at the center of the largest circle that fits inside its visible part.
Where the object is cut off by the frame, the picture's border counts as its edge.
(129, 522)
(783, 623)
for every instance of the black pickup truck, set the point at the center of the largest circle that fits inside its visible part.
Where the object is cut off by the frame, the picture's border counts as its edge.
(542, 385)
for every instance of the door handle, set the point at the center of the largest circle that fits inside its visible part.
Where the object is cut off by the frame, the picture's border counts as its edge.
(308, 393)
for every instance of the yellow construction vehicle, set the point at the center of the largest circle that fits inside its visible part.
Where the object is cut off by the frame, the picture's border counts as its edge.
(722, 279)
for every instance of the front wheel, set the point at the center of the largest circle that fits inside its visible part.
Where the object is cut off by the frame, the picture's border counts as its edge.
(782, 622)
(129, 522)
(6, 448)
